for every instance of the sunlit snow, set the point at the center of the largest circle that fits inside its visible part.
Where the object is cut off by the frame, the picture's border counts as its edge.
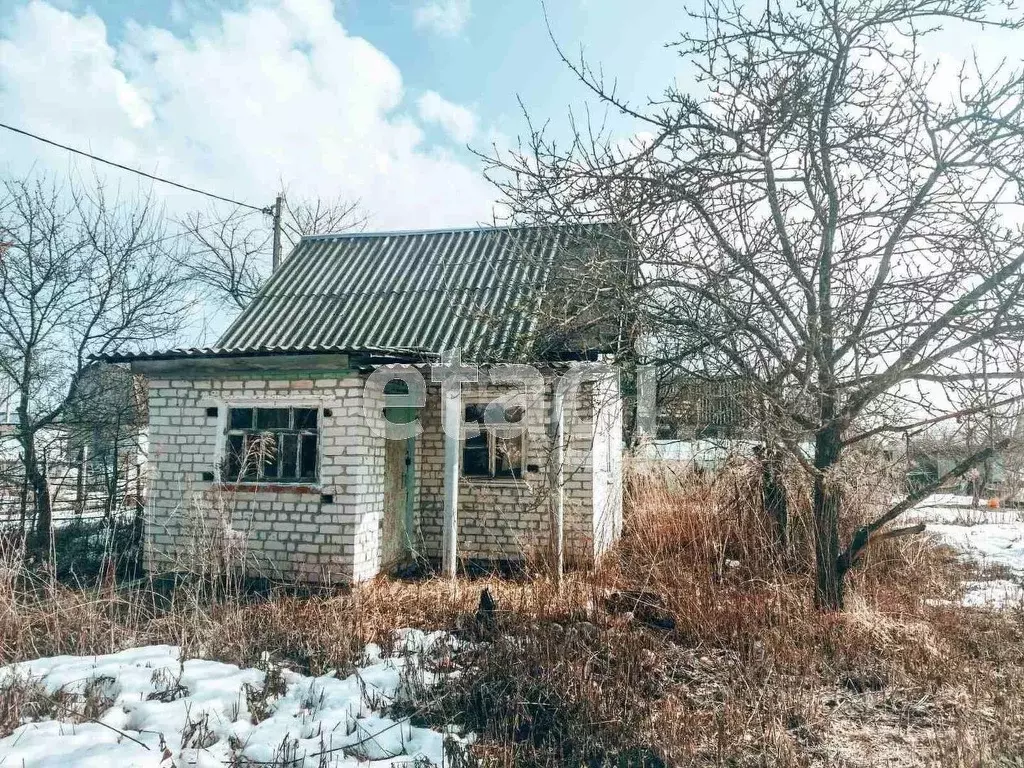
(167, 712)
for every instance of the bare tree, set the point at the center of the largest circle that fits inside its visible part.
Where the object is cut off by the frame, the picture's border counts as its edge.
(229, 255)
(85, 273)
(102, 428)
(816, 218)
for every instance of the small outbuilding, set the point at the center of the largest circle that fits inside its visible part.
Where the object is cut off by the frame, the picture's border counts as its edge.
(445, 395)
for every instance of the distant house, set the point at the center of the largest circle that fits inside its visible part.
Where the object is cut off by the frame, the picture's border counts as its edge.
(932, 457)
(107, 440)
(276, 442)
(698, 409)
(93, 454)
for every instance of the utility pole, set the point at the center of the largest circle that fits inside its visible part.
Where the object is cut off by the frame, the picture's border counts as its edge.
(278, 206)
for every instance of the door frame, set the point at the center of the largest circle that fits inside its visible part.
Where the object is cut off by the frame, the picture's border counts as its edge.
(410, 492)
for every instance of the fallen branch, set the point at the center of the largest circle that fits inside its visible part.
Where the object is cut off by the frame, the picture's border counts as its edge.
(862, 538)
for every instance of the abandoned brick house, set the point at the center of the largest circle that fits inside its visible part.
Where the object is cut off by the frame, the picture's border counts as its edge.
(275, 442)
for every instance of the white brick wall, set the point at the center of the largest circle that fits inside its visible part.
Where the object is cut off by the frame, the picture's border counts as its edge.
(276, 530)
(290, 532)
(509, 519)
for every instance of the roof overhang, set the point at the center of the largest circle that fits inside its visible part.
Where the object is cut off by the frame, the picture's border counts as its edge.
(210, 362)
(240, 365)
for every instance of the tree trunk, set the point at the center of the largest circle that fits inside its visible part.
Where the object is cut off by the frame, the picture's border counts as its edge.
(35, 476)
(773, 491)
(828, 585)
(80, 481)
(23, 530)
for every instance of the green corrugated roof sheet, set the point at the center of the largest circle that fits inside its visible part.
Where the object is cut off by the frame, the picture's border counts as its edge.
(479, 290)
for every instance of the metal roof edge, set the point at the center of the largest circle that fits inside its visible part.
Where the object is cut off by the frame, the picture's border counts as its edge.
(447, 230)
(198, 353)
(396, 354)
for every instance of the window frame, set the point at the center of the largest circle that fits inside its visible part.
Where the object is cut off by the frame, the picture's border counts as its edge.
(492, 439)
(301, 433)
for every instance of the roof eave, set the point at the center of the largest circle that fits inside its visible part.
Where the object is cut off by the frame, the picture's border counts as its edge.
(208, 353)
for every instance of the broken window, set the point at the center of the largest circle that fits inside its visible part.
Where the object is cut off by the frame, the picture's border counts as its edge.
(271, 444)
(499, 450)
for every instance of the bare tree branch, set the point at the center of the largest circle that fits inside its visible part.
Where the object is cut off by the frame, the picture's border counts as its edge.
(86, 273)
(229, 254)
(812, 217)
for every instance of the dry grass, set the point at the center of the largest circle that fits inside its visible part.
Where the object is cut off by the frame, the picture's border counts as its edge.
(751, 673)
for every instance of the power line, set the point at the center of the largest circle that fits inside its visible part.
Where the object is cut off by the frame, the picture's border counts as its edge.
(5, 246)
(134, 170)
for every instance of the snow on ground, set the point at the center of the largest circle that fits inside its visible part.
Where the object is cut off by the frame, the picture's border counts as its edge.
(207, 722)
(998, 593)
(990, 537)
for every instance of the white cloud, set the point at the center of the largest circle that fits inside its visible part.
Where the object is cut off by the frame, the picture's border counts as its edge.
(458, 121)
(277, 91)
(445, 17)
(51, 42)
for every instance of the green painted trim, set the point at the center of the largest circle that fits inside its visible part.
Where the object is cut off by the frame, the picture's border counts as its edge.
(282, 366)
(254, 375)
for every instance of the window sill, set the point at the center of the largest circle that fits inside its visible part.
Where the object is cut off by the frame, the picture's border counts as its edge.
(481, 480)
(296, 488)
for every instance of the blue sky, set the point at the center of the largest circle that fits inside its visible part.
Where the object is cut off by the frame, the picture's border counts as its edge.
(369, 100)
(501, 51)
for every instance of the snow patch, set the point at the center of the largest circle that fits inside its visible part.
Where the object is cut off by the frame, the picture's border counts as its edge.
(999, 593)
(989, 543)
(167, 712)
(991, 537)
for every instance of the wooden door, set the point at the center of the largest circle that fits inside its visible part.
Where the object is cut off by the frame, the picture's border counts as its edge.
(393, 529)
(399, 474)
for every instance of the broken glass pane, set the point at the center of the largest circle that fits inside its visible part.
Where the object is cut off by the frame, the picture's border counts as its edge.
(305, 418)
(508, 461)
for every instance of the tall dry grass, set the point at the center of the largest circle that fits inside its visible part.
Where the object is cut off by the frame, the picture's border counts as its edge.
(750, 673)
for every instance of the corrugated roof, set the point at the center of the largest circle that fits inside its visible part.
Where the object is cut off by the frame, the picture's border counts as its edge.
(478, 290)
(413, 295)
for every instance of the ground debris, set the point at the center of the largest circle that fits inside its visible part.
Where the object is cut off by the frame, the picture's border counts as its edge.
(646, 607)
